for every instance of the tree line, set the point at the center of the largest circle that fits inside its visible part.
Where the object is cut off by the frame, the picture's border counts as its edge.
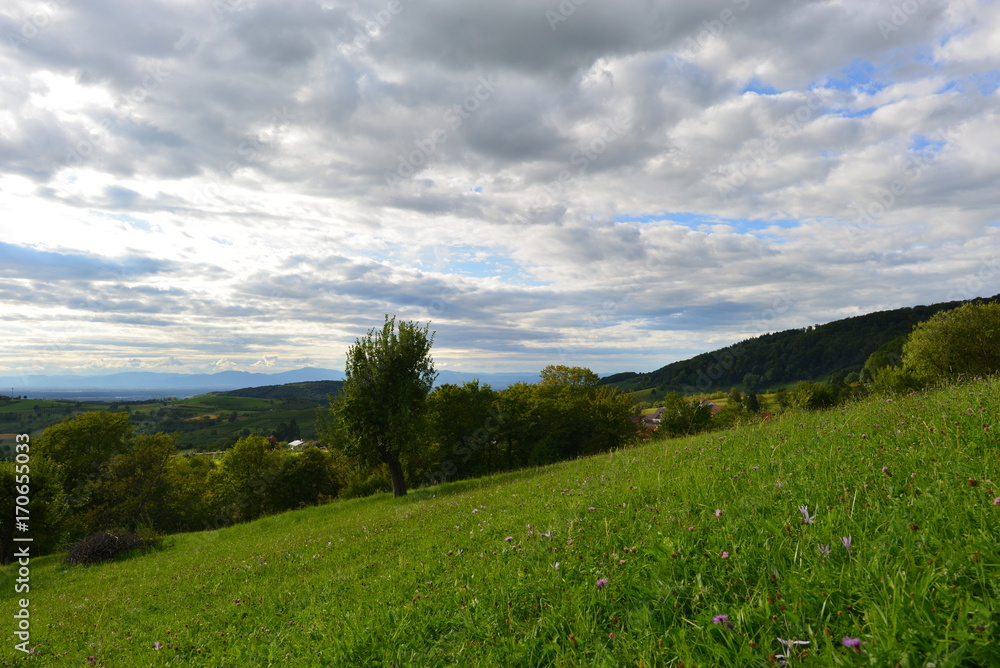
(389, 429)
(386, 429)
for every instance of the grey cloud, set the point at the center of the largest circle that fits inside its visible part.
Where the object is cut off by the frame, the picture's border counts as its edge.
(23, 262)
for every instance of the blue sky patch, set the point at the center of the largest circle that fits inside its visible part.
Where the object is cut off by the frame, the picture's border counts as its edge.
(861, 75)
(922, 143)
(755, 86)
(700, 221)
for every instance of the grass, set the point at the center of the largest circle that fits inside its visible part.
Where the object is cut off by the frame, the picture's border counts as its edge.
(505, 571)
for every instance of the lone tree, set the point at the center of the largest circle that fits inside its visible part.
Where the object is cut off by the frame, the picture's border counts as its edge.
(378, 411)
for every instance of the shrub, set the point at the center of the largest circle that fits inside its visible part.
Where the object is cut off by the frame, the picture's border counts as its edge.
(962, 340)
(104, 546)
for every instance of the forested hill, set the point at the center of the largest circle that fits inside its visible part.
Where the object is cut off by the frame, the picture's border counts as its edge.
(318, 391)
(811, 353)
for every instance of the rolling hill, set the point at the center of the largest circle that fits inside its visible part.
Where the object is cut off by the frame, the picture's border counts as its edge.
(810, 353)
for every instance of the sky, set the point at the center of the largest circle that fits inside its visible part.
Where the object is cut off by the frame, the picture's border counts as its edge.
(197, 186)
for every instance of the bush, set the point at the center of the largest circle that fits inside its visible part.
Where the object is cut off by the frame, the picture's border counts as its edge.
(895, 380)
(360, 484)
(962, 340)
(105, 546)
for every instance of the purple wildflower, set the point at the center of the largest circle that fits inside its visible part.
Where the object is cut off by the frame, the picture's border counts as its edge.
(852, 642)
(509, 538)
(996, 501)
(824, 550)
(157, 645)
(602, 583)
(724, 554)
(718, 512)
(722, 619)
(805, 515)
(846, 540)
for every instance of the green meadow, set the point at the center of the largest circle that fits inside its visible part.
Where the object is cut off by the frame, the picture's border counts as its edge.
(875, 524)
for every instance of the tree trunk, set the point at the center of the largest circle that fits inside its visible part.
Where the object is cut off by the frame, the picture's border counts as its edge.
(396, 473)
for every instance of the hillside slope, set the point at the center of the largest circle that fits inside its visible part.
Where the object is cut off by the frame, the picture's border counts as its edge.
(317, 391)
(792, 355)
(875, 523)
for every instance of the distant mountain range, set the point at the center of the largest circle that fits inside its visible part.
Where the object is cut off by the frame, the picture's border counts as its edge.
(150, 384)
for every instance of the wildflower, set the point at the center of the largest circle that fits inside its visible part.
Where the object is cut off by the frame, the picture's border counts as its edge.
(157, 645)
(602, 583)
(556, 566)
(722, 619)
(805, 515)
(793, 642)
(852, 642)
(690, 528)
(824, 550)
(846, 540)
(621, 562)
(996, 501)
(509, 538)
(718, 512)
(724, 554)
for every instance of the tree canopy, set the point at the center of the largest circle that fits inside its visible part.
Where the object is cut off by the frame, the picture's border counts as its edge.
(378, 413)
(962, 340)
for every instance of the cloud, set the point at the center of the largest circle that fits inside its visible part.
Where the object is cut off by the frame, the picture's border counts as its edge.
(619, 184)
(26, 263)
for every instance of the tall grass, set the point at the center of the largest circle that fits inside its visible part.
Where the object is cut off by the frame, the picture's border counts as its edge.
(630, 559)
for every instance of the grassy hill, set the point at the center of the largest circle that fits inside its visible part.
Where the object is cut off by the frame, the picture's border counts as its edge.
(630, 558)
(810, 353)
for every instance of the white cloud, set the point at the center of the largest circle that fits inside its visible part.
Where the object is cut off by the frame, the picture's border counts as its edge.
(192, 189)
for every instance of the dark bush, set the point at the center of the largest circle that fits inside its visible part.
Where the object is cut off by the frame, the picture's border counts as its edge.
(105, 546)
